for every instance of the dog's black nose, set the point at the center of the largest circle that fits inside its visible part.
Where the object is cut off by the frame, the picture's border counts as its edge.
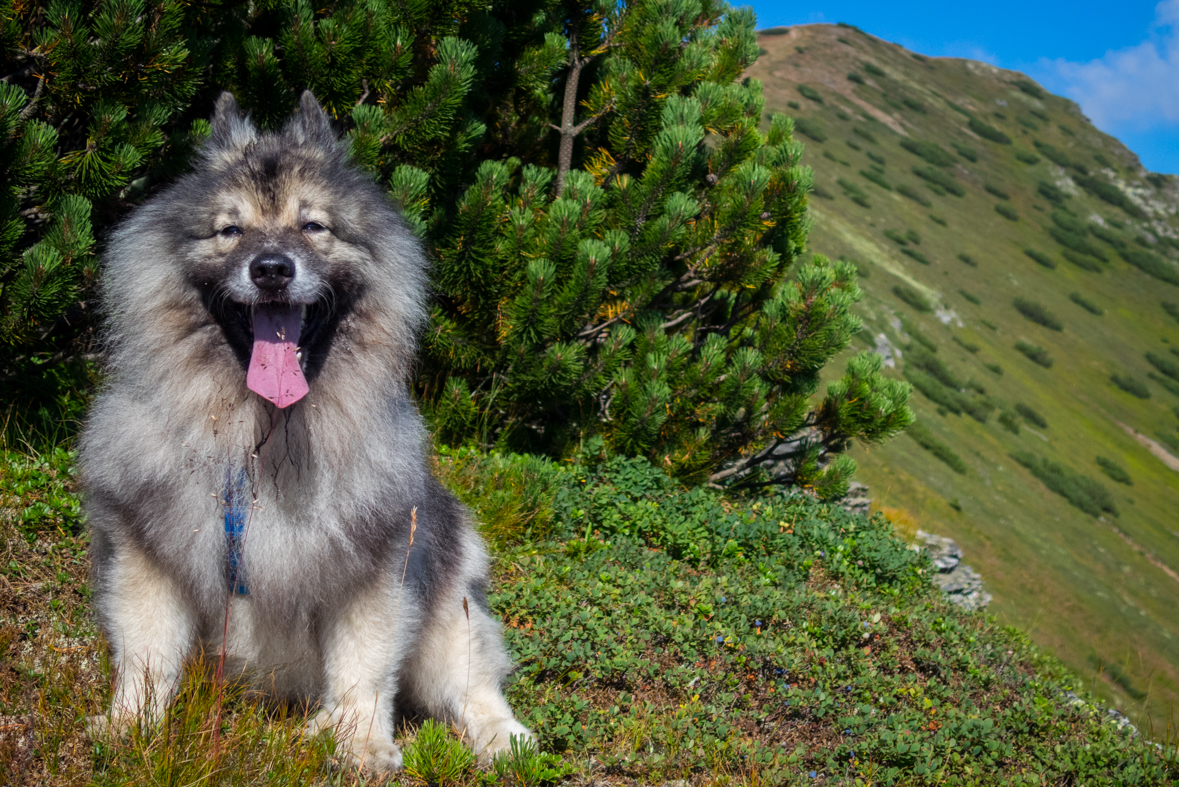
(272, 271)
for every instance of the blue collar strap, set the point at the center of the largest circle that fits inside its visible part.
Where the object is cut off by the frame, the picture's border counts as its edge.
(236, 507)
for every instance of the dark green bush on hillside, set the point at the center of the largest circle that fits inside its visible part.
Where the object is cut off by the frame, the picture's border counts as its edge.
(1070, 223)
(965, 151)
(966, 258)
(916, 255)
(853, 192)
(940, 178)
(811, 128)
(919, 357)
(1029, 87)
(929, 151)
(1107, 235)
(896, 237)
(808, 92)
(913, 104)
(1077, 243)
(876, 178)
(1041, 258)
(864, 133)
(1171, 309)
(912, 297)
(913, 194)
(1027, 157)
(1152, 265)
(1053, 154)
(970, 297)
(1051, 193)
(1006, 211)
(988, 132)
(1079, 490)
(854, 77)
(1114, 470)
(1109, 193)
(873, 69)
(1085, 303)
(1037, 313)
(1031, 416)
(1082, 261)
(875, 158)
(912, 236)
(1130, 385)
(1037, 355)
(1164, 365)
(924, 438)
(996, 191)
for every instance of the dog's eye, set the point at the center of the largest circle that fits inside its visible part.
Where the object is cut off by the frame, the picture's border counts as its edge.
(313, 226)
(230, 231)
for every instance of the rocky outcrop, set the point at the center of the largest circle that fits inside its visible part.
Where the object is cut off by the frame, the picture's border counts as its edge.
(958, 582)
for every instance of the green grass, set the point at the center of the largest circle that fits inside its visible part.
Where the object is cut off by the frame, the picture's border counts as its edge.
(924, 438)
(1079, 490)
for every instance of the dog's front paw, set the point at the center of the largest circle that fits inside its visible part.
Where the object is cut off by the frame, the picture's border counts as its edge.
(110, 725)
(370, 754)
(497, 736)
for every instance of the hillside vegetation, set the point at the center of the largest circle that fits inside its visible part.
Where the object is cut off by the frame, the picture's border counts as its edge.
(1022, 268)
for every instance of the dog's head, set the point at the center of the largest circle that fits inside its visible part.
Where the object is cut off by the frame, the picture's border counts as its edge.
(287, 247)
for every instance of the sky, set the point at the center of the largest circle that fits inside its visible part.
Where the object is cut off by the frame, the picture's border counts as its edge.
(1121, 65)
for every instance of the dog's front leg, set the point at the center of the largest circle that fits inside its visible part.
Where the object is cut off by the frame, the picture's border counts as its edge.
(150, 627)
(362, 651)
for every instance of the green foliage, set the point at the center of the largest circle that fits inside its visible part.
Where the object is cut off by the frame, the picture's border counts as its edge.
(913, 194)
(927, 361)
(1030, 415)
(875, 157)
(1040, 258)
(1082, 261)
(873, 69)
(1165, 382)
(969, 347)
(912, 297)
(1114, 470)
(966, 258)
(1071, 240)
(524, 765)
(1107, 235)
(936, 219)
(1053, 154)
(1037, 313)
(1109, 193)
(1008, 420)
(1037, 355)
(855, 77)
(941, 179)
(876, 178)
(1130, 385)
(808, 92)
(1029, 87)
(866, 135)
(437, 758)
(853, 192)
(1171, 309)
(996, 191)
(1069, 223)
(1079, 490)
(970, 297)
(965, 151)
(1006, 211)
(1027, 157)
(916, 255)
(810, 127)
(1152, 265)
(931, 152)
(988, 132)
(924, 438)
(994, 368)
(1051, 193)
(852, 145)
(896, 237)
(1085, 303)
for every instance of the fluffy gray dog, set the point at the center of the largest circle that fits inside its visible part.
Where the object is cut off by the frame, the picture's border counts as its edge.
(255, 470)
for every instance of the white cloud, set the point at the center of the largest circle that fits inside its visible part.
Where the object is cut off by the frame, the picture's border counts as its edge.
(1136, 87)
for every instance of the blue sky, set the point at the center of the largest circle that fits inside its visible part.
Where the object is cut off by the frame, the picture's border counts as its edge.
(1121, 65)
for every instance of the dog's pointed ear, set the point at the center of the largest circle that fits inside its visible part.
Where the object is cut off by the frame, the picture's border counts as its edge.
(232, 131)
(311, 125)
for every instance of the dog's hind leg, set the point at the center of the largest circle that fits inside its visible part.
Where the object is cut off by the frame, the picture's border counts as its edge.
(458, 669)
(151, 628)
(363, 646)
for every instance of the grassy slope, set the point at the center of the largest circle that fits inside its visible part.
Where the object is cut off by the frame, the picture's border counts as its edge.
(1091, 590)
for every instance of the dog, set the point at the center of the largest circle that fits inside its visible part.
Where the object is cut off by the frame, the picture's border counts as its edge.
(254, 468)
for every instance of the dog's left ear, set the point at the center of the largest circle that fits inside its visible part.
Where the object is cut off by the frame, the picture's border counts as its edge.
(312, 126)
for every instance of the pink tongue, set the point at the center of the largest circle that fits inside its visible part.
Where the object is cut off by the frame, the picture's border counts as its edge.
(274, 372)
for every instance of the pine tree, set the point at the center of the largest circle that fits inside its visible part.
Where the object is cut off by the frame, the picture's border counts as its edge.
(619, 238)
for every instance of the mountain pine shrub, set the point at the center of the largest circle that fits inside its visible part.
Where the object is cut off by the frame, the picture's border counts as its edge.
(1037, 313)
(1114, 470)
(1085, 303)
(1051, 192)
(1082, 261)
(908, 191)
(1152, 265)
(926, 439)
(855, 77)
(916, 255)
(1053, 154)
(1030, 415)
(1006, 211)
(1107, 235)
(1079, 490)
(941, 179)
(936, 219)
(1037, 355)
(931, 152)
(877, 178)
(913, 298)
(873, 69)
(1041, 258)
(1171, 309)
(996, 191)
(988, 132)
(1130, 385)
(1027, 157)
(966, 258)
(810, 127)
(1164, 365)
(808, 92)
(970, 297)
(965, 151)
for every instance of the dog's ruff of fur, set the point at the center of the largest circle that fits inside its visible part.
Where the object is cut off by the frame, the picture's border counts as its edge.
(366, 579)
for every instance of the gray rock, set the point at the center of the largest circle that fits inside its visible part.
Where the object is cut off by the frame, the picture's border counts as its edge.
(943, 552)
(959, 583)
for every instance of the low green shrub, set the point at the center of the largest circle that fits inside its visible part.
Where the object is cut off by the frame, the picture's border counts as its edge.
(839, 113)
(994, 368)
(1144, 242)
(896, 237)
(916, 255)
(996, 191)
(1068, 132)
(852, 145)
(1152, 265)
(1069, 223)
(924, 438)
(913, 298)
(1051, 193)
(1085, 303)
(437, 758)
(1053, 154)
(937, 219)
(969, 347)
(1028, 123)
(1082, 261)
(913, 104)
(929, 151)
(1171, 309)
(877, 178)
(1101, 159)
(1114, 470)
(1164, 365)
(913, 194)
(1166, 382)
(988, 132)
(913, 237)
(1027, 157)
(827, 154)
(794, 105)
(916, 335)
(854, 77)
(1037, 313)
(811, 128)
(1006, 211)
(821, 192)
(1079, 490)
(970, 297)
(928, 386)
(1107, 235)
(920, 357)
(1029, 87)
(873, 69)
(808, 92)
(959, 109)
(864, 134)
(1109, 193)
(1041, 258)
(966, 258)
(1009, 421)
(940, 178)
(965, 151)
(854, 192)
(1031, 416)
(1071, 240)
(1130, 385)
(1040, 115)
(875, 158)
(1037, 355)
(989, 324)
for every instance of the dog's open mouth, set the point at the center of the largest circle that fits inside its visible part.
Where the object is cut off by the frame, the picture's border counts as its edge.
(280, 331)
